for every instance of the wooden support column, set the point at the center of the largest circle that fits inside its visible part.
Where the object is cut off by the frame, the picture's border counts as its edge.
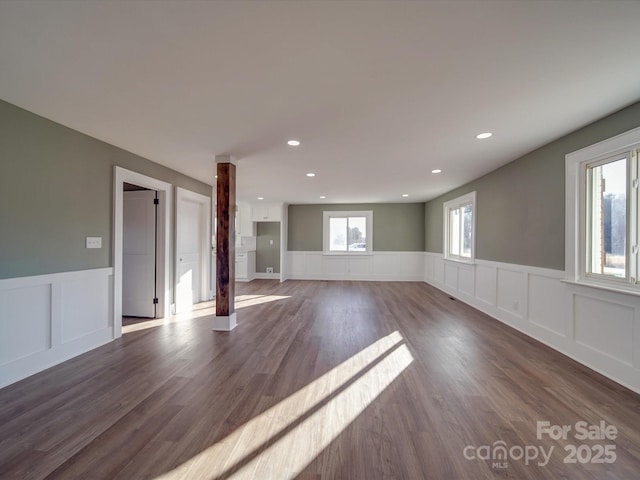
(225, 318)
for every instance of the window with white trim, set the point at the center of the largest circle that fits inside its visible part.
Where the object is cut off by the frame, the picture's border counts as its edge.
(606, 217)
(459, 228)
(603, 213)
(347, 232)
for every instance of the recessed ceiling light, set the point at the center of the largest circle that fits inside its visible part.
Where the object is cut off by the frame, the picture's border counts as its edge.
(437, 170)
(484, 135)
(323, 197)
(293, 143)
(310, 174)
(405, 194)
(260, 198)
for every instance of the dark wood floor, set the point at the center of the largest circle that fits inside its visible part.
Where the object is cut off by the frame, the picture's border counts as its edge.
(321, 380)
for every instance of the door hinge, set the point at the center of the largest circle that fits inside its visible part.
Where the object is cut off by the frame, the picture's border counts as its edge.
(156, 201)
(155, 301)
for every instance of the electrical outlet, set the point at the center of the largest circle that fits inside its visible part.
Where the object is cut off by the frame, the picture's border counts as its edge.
(94, 242)
(269, 269)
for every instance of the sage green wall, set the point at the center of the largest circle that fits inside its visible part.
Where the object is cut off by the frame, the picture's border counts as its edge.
(267, 254)
(397, 227)
(56, 188)
(520, 206)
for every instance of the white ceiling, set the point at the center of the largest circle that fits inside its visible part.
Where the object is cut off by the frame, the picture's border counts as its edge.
(378, 92)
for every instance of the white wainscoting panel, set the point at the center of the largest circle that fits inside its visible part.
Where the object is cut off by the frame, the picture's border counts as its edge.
(335, 267)
(510, 291)
(30, 332)
(486, 284)
(466, 284)
(411, 265)
(429, 266)
(381, 266)
(80, 297)
(544, 290)
(438, 269)
(451, 274)
(47, 319)
(604, 327)
(598, 328)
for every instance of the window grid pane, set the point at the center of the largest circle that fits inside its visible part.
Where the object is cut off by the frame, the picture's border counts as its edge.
(356, 233)
(467, 219)
(607, 219)
(454, 232)
(338, 234)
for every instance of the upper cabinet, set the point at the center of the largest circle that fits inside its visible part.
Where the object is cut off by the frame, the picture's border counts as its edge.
(244, 223)
(266, 213)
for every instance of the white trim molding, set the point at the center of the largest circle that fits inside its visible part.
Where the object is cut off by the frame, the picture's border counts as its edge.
(224, 323)
(598, 328)
(266, 276)
(576, 217)
(377, 266)
(47, 319)
(164, 189)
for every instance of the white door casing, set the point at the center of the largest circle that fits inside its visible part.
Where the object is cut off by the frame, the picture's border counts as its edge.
(163, 289)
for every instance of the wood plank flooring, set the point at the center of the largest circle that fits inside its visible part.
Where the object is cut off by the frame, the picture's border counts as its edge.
(321, 380)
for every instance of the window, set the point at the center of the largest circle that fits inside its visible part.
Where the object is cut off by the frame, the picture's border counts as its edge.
(459, 228)
(606, 217)
(347, 232)
(603, 214)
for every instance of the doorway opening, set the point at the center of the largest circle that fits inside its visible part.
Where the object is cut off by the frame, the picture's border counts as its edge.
(193, 249)
(139, 254)
(159, 283)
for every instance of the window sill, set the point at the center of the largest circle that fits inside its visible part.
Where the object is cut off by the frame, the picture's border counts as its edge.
(606, 287)
(347, 254)
(464, 261)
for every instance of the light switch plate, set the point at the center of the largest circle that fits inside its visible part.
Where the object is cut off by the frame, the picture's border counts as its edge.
(94, 242)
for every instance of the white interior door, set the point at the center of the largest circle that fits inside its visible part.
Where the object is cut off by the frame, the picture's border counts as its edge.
(189, 241)
(139, 253)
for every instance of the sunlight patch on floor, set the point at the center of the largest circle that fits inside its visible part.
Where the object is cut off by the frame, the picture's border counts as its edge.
(283, 440)
(203, 309)
(243, 301)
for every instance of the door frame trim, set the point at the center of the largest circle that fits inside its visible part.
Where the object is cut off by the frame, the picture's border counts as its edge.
(164, 189)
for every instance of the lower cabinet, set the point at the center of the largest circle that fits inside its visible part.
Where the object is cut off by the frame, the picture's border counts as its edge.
(245, 266)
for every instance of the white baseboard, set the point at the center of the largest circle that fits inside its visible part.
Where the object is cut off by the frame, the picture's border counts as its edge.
(224, 323)
(267, 276)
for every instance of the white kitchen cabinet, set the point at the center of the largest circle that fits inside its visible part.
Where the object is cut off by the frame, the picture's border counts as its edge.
(245, 266)
(244, 221)
(266, 213)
